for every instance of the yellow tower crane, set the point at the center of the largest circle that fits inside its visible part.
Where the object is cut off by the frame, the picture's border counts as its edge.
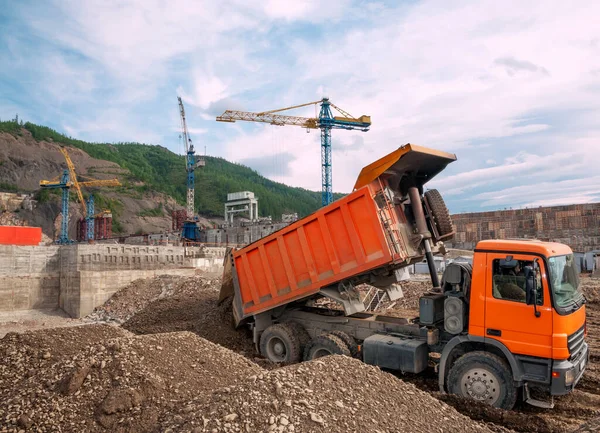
(88, 207)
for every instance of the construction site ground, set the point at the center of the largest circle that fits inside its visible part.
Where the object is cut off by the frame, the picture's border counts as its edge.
(162, 355)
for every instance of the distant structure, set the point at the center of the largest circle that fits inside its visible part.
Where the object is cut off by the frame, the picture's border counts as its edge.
(241, 202)
(289, 217)
(576, 225)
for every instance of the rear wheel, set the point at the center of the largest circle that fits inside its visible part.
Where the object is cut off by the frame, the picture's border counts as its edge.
(325, 345)
(279, 343)
(300, 333)
(349, 340)
(484, 377)
(440, 213)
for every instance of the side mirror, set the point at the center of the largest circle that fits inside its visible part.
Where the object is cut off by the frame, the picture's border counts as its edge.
(531, 289)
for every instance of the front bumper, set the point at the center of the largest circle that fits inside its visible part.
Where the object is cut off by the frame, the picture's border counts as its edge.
(560, 369)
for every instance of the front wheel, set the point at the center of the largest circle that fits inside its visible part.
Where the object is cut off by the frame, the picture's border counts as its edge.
(484, 377)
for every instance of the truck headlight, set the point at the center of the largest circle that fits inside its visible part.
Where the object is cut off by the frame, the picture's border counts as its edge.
(569, 376)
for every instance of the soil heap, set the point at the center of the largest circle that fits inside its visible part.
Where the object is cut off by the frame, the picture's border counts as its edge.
(332, 394)
(102, 378)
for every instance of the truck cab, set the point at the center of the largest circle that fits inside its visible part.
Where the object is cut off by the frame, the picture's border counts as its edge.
(526, 314)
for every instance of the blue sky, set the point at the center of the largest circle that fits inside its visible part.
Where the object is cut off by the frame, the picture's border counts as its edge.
(512, 88)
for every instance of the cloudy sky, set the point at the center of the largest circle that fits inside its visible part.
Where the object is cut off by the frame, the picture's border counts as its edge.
(511, 87)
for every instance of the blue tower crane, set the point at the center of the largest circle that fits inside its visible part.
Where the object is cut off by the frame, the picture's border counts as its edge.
(190, 230)
(65, 184)
(326, 122)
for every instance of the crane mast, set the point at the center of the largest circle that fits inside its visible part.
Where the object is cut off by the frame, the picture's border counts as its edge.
(190, 158)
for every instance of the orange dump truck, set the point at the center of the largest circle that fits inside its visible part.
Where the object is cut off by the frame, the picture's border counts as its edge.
(514, 320)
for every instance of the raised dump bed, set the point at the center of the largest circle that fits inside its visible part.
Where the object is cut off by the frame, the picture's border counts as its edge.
(363, 236)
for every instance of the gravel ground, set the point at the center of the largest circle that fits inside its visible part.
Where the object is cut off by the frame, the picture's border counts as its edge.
(26, 320)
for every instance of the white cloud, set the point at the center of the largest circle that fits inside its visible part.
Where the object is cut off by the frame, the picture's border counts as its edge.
(490, 81)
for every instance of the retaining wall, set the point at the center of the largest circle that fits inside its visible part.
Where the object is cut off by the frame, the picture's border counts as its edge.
(29, 277)
(77, 278)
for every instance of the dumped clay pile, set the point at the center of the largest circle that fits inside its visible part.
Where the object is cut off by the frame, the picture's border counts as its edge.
(332, 394)
(101, 378)
(135, 297)
(193, 306)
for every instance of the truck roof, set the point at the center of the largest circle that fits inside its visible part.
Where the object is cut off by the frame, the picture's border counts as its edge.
(547, 249)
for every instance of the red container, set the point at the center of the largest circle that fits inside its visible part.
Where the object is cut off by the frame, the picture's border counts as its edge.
(20, 235)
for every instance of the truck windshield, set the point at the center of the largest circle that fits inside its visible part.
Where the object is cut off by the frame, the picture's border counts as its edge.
(565, 283)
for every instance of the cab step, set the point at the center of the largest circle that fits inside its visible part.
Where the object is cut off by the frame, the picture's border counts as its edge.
(537, 403)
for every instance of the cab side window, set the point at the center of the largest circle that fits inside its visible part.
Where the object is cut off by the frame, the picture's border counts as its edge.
(508, 279)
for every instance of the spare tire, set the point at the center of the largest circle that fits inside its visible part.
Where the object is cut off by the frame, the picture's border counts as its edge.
(440, 213)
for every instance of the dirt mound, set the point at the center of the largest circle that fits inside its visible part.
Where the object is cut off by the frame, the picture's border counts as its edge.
(101, 377)
(591, 289)
(135, 297)
(193, 306)
(332, 394)
(408, 305)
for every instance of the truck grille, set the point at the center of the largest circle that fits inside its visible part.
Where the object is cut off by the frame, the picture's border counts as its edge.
(575, 343)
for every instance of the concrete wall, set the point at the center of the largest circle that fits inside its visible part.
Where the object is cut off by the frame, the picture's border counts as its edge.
(78, 278)
(29, 277)
(576, 225)
(238, 236)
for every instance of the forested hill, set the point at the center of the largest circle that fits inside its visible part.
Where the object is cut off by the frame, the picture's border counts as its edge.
(164, 171)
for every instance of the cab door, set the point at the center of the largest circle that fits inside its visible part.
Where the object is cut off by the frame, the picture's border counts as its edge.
(508, 318)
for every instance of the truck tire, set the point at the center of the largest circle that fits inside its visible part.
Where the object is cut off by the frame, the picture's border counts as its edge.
(279, 343)
(349, 340)
(325, 345)
(485, 377)
(301, 334)
(440, 213)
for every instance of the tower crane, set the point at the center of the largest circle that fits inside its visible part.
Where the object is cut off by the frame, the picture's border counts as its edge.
(190, 226)
(326, 122)
(63, 182)
(69, 180)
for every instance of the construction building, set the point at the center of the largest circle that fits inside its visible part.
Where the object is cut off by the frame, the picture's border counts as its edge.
(242, 202)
